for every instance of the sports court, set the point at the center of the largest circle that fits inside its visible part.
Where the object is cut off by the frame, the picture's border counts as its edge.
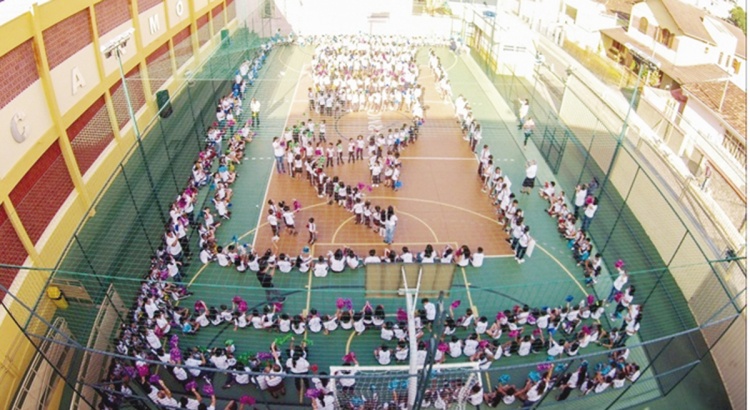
(441, 203)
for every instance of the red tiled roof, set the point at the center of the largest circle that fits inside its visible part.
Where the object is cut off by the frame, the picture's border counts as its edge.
(688, 18)
(741, 49)
(733, 109)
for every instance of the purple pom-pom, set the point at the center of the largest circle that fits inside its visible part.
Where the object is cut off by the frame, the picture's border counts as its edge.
(262, 356)
(174, 341)
(312, 393)
(191, 385)
(514, 334)
(208, 389)
(456, 303)
(143, 371)
(543, 367)
(248, 400)
(130, 371)
(349, 358)
(401, 315)
(154, 378)
(175, 354)
(278, 306)
(348, 304)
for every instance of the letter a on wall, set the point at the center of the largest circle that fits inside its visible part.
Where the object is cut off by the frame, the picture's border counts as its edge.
(77, 81)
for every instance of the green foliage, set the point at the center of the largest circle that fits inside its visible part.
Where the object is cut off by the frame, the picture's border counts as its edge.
(738, 17)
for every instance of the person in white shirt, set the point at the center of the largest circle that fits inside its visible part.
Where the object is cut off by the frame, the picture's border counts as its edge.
(372, 257)
(324, 401)
(383, 355)
(255, 112)
(477, 258)
(284, 264)
(279, 150)
(476, 397)
(406, 256)
(580, 199)
(314, 322)
(528, 183)
(195, 360)
(320, 269)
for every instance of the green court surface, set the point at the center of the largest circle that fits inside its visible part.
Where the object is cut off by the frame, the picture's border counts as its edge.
(548, 277)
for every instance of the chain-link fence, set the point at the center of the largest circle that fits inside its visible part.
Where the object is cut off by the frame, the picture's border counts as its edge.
(690, 292)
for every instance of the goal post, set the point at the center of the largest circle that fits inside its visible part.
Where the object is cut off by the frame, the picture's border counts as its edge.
(379, 386)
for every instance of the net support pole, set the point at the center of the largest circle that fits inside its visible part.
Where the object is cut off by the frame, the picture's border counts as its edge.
(411, 296)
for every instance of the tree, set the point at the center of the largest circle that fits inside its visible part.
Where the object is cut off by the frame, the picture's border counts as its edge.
(738, 17)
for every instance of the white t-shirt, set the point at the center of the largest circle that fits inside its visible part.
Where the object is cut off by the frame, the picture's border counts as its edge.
(430, 310)
(477, 398)
(477, 260)
(320, 270)
(524, 349)
(531, 171)
(337, 265)
(384, 357)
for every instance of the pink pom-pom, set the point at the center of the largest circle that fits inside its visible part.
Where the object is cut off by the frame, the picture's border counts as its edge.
(143, 371)
(443, 347)
(208, 389)
(278, 306)
(198, 305)
(456, 303)
(514, 334)
(340, 303)
(191, 385)
(500, 315)
(590, 300)
(537, 332)
(236, 299)
(401, 315)
(242, 307)
(349, 357)
(619, 264)
(247, 400)
(483, 344)
(543, 367)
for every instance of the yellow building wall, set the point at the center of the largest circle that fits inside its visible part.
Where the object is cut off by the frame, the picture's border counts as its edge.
(51, 105)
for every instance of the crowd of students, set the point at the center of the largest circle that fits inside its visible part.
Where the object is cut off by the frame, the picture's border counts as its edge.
(554, 332)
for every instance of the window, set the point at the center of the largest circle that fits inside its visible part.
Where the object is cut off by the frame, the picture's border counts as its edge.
(665, 37)
(721, 58)
(571, 12)
(643, 25)
(736, 66)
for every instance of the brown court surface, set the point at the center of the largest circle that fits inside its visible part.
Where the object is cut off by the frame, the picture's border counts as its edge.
(440, 202)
